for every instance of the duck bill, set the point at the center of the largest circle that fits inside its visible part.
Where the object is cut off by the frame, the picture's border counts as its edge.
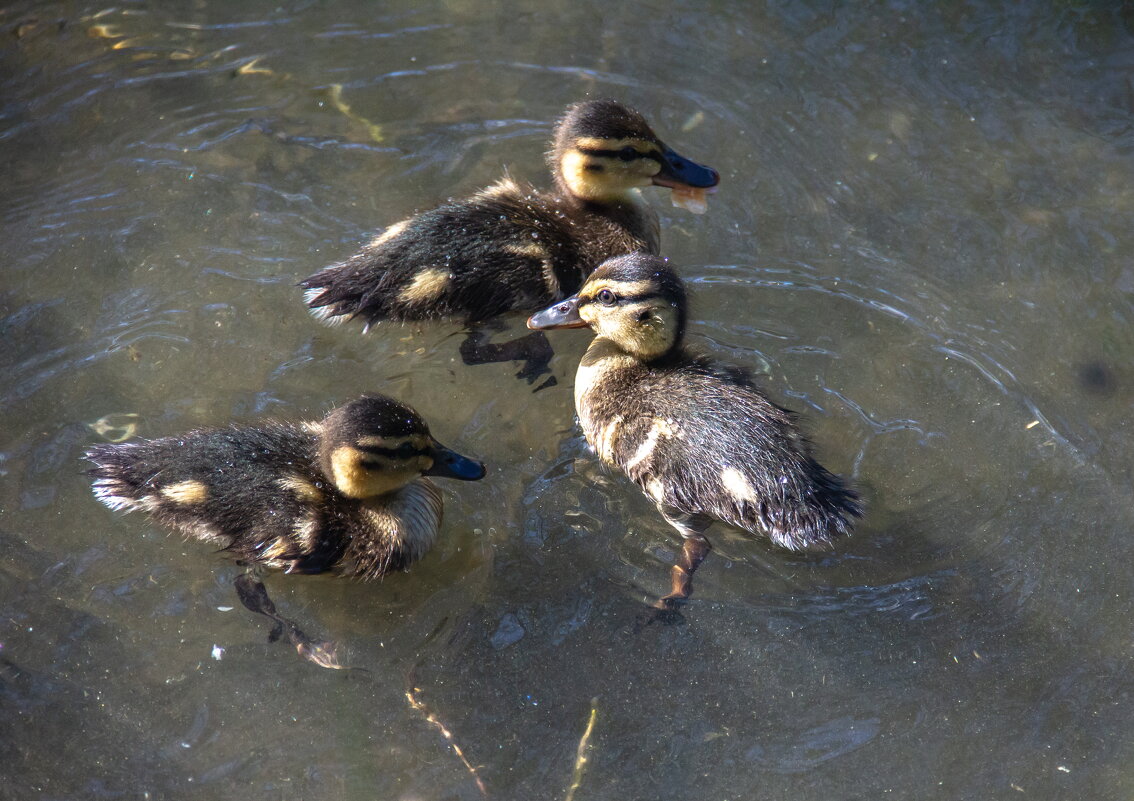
(564, 314)
(679, 172)
(450, 464)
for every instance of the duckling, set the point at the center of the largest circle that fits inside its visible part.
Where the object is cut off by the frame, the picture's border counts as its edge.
(346, 494)
(696, 435)
(511, 246)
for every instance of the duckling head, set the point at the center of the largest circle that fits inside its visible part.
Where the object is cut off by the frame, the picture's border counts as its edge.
(635, 301)
(603, 151)
(375, 445)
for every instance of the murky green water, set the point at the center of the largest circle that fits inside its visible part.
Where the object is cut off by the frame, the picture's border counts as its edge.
(923, 238)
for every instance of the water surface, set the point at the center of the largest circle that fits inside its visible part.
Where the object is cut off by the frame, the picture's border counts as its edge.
(921, 242)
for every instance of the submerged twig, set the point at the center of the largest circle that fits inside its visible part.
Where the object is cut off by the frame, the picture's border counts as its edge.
(581, 753)
(448, 735)
(335, 93)
(116, 427)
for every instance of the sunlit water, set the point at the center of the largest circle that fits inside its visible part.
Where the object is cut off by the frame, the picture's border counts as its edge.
(922, 242)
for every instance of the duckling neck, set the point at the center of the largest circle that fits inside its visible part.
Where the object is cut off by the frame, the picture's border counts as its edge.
(610, 365)
(402, 525)
(603, 370)
(628, 212)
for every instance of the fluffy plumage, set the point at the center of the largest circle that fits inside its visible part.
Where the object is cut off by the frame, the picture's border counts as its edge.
(700, 439)
(511, 246)
(344, 494)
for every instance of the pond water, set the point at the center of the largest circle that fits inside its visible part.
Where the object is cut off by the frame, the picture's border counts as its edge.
(921, 242)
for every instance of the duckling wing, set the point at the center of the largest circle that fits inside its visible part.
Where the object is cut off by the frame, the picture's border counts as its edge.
(254, 492)
(712, 444)
(506, 248)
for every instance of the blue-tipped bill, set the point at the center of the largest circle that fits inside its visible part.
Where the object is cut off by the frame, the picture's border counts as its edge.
(564, 314)
(678, 171)
(450, 464)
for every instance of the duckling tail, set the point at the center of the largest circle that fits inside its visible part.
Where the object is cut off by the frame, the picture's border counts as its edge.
(829, 511)
(347, 290)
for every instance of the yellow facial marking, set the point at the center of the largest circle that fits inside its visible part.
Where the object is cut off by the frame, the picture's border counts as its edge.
(737, 485)
(655, 490)
(583, 183)
(346, 472)
(304, 490)
(645, 329)
(597, 143)
(186, 493)
(426, 286)
(603, 179)
(356, 475)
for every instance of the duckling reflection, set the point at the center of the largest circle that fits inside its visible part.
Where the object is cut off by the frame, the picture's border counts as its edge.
(347, 494)
(695, 434)
(511, 247)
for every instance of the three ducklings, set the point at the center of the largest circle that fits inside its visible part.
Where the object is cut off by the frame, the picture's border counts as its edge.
(349, 494)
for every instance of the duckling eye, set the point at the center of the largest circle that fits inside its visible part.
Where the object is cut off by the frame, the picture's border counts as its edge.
(628, 153)
(606, 297)
(406, 450)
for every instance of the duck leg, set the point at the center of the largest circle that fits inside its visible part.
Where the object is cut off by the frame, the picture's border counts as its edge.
(254, 595)
(532, 349)
(693, 551)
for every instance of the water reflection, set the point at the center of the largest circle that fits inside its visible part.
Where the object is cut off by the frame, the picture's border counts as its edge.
(919, 243)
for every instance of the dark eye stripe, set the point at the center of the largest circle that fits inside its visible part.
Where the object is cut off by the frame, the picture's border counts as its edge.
(621, 298)
(391, 453)
(617, 154)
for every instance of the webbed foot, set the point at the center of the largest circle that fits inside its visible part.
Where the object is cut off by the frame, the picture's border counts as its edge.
(665, 612)
(532, 349)
(254, 595)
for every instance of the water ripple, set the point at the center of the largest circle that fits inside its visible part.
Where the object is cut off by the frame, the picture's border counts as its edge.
(129, 319)
(924, 309)
(816, 745)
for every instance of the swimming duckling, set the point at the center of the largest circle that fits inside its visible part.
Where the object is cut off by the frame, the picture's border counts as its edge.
(695, 434)
(513, 247)
(344, 495)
